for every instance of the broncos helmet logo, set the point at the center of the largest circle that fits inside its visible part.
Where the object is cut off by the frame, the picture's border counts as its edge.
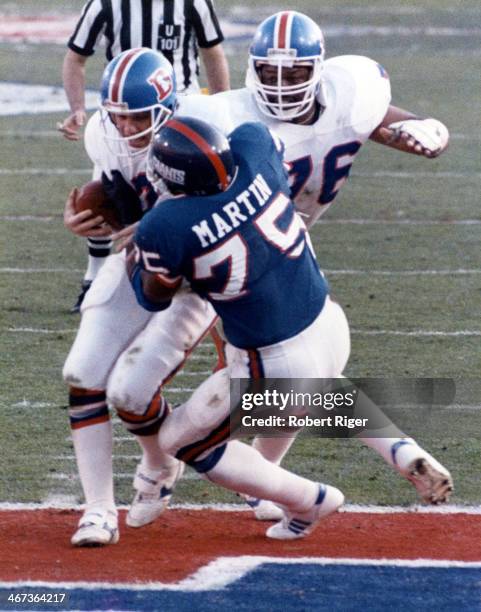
(161, 80)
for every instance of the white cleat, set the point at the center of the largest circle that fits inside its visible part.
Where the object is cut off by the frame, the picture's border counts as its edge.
(97, 527)
(298, 525)
(154, 491)
(264, 510)
(432, 480)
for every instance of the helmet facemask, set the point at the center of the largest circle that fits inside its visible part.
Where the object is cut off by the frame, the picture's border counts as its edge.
(282, 101)
(159, 115)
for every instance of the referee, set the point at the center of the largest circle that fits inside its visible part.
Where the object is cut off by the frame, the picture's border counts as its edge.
(177, 28)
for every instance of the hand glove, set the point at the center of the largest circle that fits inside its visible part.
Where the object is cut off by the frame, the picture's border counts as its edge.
(430, 135)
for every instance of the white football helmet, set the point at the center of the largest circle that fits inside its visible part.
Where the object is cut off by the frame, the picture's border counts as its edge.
(286, 40)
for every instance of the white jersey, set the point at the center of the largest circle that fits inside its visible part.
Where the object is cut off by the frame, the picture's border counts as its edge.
(357, 95)
(108, 153)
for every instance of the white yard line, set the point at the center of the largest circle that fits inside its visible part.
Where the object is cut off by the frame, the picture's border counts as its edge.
(43, 171)
(362, 332)
(323, 221)
(369, 175)
(458, 272)
(35, 330)
(40, 270)
(55, 134)
(62, 476)
(346, 272)
(30, 218)
(421, 222)
(418, 333)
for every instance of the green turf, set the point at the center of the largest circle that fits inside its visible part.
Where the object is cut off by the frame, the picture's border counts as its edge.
(431, 75)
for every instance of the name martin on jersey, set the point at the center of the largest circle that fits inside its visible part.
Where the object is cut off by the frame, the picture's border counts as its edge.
(209, 231)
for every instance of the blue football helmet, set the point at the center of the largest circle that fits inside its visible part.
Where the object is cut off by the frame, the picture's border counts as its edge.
(286, 40)
(136, 81)
(189, 156)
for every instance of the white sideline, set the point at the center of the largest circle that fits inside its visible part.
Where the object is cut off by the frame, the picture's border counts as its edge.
(347, 508)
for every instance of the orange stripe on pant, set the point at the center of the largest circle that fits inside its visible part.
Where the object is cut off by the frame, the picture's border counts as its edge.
(88, 422)
(212, 440)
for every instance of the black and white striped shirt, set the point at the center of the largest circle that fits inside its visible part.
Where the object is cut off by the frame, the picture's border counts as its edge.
(175, 27)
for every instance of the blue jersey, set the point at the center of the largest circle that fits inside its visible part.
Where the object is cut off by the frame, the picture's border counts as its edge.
(245, 249)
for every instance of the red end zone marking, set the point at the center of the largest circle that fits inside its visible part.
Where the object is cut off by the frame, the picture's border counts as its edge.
(36, 546)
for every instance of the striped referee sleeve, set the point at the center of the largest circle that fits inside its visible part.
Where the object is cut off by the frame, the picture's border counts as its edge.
(90, 26)
(206, 24)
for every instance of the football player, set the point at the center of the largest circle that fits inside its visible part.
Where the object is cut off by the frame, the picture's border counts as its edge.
(323, 121)
(324, 111)
(122, 355)
(230, 229)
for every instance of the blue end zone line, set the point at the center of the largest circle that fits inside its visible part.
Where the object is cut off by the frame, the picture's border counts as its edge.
(225, 571)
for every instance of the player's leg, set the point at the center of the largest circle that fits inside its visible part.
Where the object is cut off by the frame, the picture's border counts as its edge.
(135, 387)
(198, 433)
(98, 251)
(431, 479)
(320, 351)
(326, 350)
(110, 319)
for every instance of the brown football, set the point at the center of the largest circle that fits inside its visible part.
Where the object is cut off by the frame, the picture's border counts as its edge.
(92, 196)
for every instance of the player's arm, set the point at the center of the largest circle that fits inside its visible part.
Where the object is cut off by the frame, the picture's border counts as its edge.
(153, 291)
(153, 281)
(406, 132)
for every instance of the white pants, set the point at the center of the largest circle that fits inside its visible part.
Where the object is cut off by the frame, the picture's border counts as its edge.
(319, 351)
(126, 350)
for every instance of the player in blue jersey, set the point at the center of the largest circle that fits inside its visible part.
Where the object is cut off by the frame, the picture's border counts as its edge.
(232, 232)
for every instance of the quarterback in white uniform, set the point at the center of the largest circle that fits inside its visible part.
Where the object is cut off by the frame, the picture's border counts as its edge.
(122, 354)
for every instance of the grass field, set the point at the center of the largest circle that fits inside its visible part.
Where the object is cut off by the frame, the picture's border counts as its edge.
(400, 246)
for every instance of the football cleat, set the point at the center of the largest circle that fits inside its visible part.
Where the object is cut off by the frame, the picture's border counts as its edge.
(97, 527)
(83, 290)
(432, 480)
(264, 510)
(300, 524)
(154, 491)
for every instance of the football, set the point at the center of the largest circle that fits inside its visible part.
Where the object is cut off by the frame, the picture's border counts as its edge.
(92, 196)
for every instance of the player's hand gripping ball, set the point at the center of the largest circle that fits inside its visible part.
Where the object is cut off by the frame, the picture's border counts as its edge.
(92, 196)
